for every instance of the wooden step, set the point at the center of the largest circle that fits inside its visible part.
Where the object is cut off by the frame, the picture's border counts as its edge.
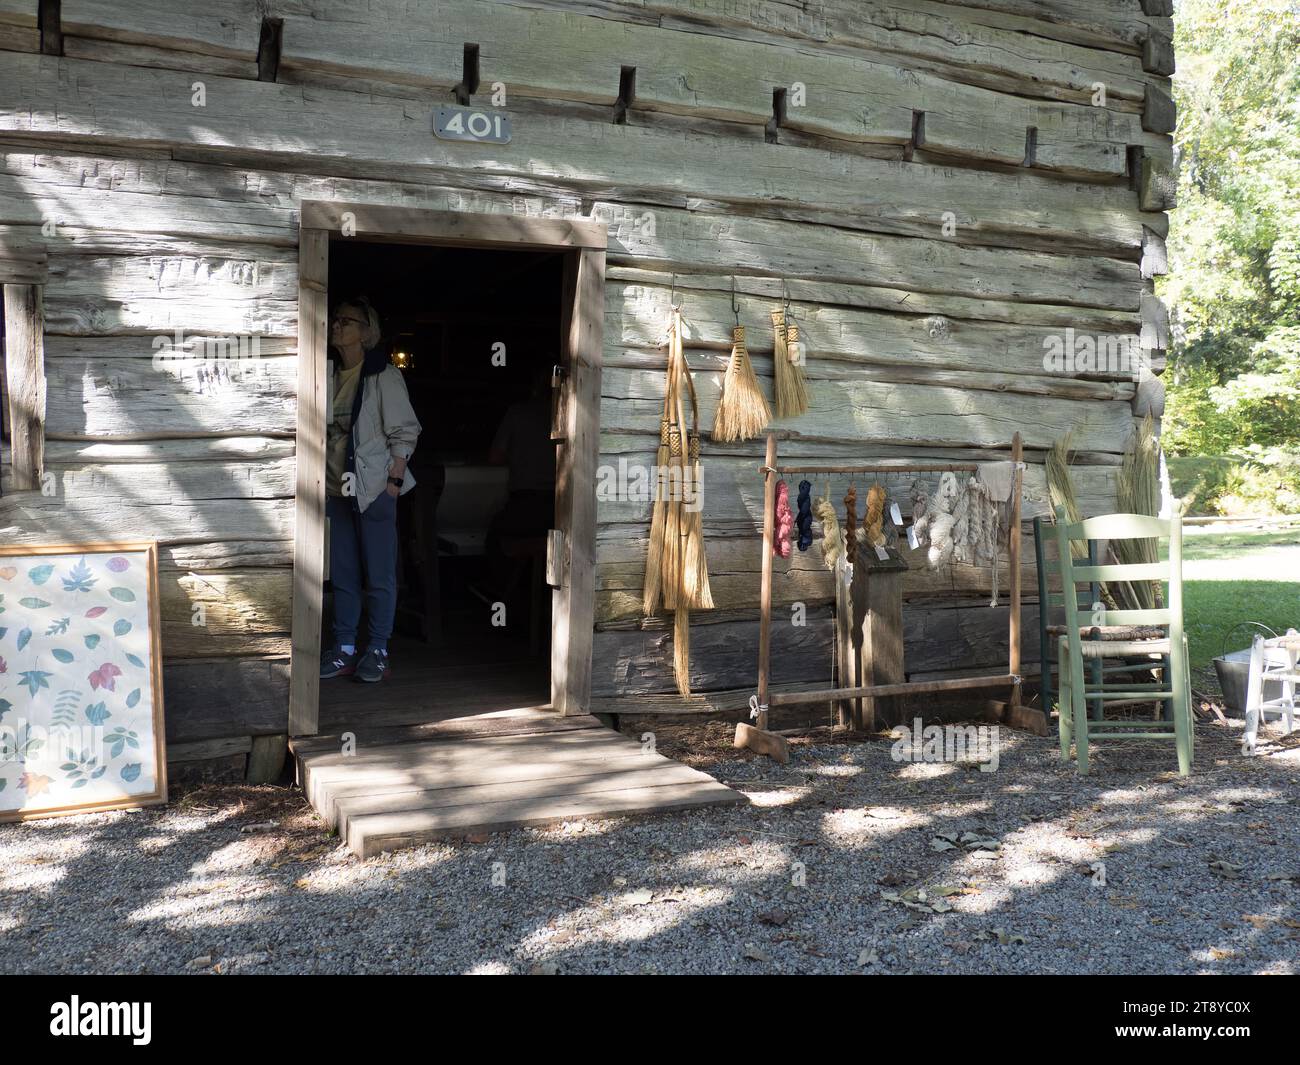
(388, 795)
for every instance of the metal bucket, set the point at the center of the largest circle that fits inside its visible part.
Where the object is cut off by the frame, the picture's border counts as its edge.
(1233, 671)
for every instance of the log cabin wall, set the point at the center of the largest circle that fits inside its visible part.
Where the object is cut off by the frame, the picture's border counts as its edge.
(940, 186)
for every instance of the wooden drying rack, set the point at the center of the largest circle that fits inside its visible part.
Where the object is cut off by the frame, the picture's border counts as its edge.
(1011, 679)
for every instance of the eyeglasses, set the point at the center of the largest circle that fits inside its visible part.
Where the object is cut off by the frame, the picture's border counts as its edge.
(340, 319)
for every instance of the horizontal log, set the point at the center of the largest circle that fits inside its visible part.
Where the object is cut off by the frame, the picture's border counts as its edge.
(869, 412)
(133, 399)
(225, 697)
(839, 340)
(931, 36)
(218, 27)
(892, 301)
(30, 518)
(225, 613)
(786, 249)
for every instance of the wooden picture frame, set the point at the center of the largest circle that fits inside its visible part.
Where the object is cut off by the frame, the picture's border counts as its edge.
(118, 590)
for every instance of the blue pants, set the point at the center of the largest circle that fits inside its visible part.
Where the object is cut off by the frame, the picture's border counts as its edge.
(363, 544)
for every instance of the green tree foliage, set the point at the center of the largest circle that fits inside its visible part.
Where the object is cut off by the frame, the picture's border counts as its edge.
(1234, 286)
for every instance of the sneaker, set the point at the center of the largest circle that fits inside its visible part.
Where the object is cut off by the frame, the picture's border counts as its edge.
(334, 663)
(373, 666)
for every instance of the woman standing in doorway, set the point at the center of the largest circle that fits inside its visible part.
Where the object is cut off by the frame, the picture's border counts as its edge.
(371, 436)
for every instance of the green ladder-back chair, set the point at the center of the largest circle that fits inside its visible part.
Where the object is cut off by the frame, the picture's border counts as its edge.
(1174, 688)
(1051, 604)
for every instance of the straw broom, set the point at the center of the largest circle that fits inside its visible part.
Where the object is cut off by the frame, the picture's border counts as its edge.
(676, 568)
(743, 412)
(791, 388)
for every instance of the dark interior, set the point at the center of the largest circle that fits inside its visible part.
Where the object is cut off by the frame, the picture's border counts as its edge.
(480, 330)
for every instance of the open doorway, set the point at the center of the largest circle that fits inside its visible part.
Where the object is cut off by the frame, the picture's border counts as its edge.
(477, 334)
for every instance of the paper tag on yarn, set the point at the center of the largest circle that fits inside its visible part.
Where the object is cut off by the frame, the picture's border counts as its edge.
(896, 514)
(911, 537)
(882, 554)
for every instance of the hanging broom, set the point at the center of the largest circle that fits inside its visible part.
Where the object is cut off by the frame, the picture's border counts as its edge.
(743, 412)
(676, 568)
(791, 389)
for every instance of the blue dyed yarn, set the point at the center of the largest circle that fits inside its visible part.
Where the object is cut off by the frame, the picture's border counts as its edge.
(804, 520)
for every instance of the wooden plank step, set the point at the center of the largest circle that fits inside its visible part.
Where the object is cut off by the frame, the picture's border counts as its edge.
(374, 833)
(348, 808)
(319, 784)
(499, 723)
(400, 794)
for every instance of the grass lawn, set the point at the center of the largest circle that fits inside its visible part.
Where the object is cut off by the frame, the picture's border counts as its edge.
(1231, 577)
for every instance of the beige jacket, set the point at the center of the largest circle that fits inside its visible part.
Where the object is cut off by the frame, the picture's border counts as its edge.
(384, 427)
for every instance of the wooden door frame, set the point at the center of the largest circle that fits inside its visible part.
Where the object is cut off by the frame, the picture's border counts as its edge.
(571, 565)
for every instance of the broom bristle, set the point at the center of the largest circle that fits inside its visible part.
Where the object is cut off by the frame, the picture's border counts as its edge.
(791, 388)
(682, 650)
(654, 572)
(743, 412)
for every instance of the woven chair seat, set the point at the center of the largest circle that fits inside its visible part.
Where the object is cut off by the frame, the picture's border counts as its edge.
(1107, 648)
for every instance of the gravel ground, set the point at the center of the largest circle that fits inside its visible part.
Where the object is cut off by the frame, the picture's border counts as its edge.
(846, 861)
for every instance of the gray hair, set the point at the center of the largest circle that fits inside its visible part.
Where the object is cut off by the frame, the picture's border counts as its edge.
(371, 333)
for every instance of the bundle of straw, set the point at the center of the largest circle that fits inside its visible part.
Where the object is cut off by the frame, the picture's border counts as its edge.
(1060, 487)
(791, 388)
(743, 412)
(1138, 488)
(677, 573)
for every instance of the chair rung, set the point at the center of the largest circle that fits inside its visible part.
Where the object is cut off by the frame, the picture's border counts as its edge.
(1092, 694)
(1132, 724)
(1131, 735)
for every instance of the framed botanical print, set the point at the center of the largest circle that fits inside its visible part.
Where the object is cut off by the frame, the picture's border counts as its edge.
(81, 700)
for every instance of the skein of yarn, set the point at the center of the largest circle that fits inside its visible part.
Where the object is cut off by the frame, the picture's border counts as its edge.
(784, 521)
(832, 543)
(851, 524)
(875, 516)
(804, 520)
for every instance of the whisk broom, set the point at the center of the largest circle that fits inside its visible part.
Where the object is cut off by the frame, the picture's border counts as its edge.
(791, 388)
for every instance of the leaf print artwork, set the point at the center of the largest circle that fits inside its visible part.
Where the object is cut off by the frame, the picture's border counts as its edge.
(80, 718)
(34, 679)
(34, 783)
(103, 676)
(79, 578)
(40, 574)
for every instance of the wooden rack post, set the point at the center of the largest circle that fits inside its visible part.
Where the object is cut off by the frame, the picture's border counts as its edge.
(1013, 557)
(765, 611)
(759, 738)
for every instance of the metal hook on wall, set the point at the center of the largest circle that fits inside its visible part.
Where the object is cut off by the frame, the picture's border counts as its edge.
(735, 307)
